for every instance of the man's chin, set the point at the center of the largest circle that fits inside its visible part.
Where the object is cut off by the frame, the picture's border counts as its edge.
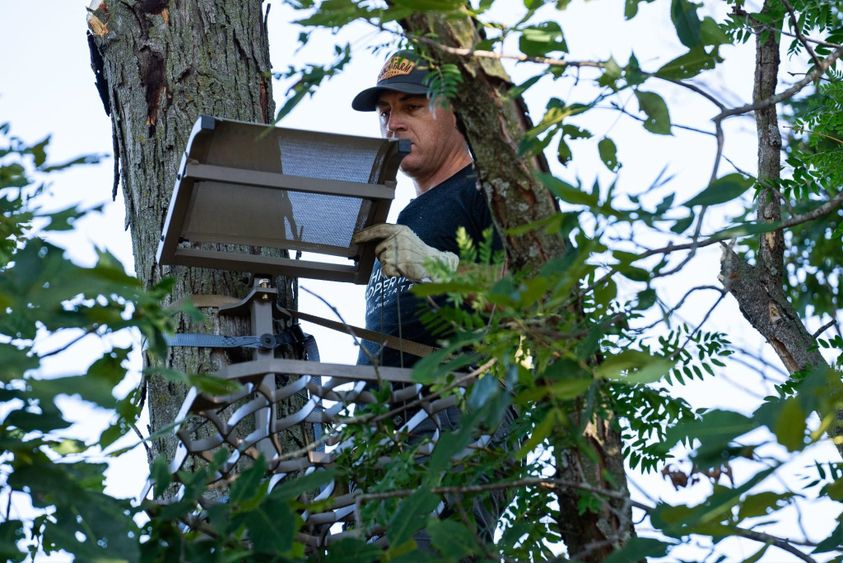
(409, 168)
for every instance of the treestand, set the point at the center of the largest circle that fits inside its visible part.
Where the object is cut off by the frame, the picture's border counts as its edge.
(231, 200)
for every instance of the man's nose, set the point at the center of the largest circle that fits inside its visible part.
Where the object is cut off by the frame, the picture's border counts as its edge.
(395, 124)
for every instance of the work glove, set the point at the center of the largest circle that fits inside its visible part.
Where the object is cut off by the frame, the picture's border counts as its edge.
(402, 253)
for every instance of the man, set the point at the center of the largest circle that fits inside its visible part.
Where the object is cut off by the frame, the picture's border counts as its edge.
(448, 197)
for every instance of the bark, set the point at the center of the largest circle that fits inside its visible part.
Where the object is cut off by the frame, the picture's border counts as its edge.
(758, 288)
(164, 63)
(494, 124)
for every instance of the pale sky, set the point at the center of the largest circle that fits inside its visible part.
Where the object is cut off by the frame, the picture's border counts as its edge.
(47, 87)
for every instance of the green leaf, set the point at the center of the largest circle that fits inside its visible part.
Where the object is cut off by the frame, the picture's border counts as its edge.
(716, 431)
(832, 542)
(658, 117)
(634, 273)
(634, 366)
(570, 388)
(11, 532)
(688, 65)
(758, 554)
(639, 549)
(647, 298)
(430, 5)
(565, 191)
(411, 516)
(681, 225)
(790, 425)
(539, 433)
(632, 73)
(710, 517)
(541, 39)
(630, 9)
(611, 73)
(712, 34)
(436, 365)
(452, 539)
(213, 385)
(722, 190)
(271, 526)
(608, 154)
(762, 504)
(684, 16)
(160, 475)
(248, 482)
(293, 487)
(452, 443)
(563, 153)
(351, 550)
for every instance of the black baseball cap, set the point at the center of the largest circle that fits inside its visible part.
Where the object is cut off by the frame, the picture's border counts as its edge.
(402, 72)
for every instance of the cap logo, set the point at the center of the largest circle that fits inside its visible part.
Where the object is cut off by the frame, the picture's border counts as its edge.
(396, 66)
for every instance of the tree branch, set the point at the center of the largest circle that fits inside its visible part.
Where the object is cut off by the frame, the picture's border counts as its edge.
(775, 541)
(786, 94)
(824, 327)
(816, 213)
(795, 24)
(553, 484)
(541, 482)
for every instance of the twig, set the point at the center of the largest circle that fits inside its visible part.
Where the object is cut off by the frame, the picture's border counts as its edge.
(624, 111)
(824, 327)
(818, 71)
(723, 293)
(776, 541)
(545, 483)
(9, 504)
(694, 88)
(483, 54)
(548, 483)
(143, 440)
(815, 213)
(758, 24)
(70, 344)
(676, 307)
(799, 36)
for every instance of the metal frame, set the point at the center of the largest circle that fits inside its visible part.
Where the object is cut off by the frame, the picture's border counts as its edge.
(254, 161)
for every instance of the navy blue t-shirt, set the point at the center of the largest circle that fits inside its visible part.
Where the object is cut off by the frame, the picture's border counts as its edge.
(435, 217)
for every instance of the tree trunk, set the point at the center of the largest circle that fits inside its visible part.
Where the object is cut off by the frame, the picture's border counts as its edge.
(164, 64)
(494, 124)
(759, 289)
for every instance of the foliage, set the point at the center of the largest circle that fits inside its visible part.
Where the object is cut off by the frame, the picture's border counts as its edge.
(50, 301)
(590, 336)
(628, 353)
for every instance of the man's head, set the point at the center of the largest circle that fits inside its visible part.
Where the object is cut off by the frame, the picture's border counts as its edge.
(400, 98)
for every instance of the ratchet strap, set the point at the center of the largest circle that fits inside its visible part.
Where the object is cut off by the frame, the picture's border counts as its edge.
(219, 301)
(262, 342)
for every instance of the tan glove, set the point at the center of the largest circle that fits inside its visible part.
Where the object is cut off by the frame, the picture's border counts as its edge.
(402, 253)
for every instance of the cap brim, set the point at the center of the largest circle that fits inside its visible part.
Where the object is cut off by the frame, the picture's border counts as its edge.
(367, 100)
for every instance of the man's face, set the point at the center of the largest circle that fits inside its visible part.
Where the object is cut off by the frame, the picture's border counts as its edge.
(432, 131)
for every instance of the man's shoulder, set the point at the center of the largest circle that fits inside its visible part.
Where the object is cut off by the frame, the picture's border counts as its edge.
(464, 178)
(461, 185)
